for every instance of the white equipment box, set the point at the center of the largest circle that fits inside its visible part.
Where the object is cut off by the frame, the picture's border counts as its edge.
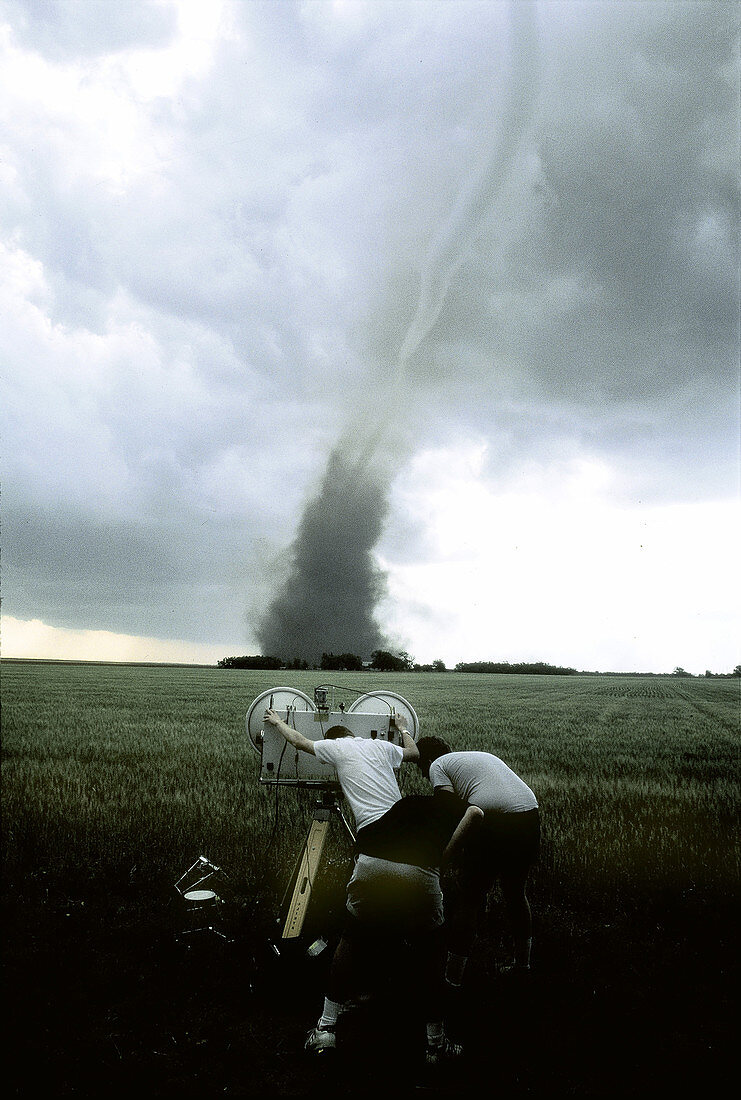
(367, 716)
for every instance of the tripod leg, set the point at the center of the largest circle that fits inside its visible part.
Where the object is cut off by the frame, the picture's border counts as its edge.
(305, 880)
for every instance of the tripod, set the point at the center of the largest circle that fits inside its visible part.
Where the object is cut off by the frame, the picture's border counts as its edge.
(307, 863)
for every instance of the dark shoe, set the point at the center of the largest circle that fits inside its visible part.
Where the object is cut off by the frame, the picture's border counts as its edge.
(442, 1052)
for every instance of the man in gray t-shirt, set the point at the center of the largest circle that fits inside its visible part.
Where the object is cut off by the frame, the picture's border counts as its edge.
(482, 780)
(503, 849)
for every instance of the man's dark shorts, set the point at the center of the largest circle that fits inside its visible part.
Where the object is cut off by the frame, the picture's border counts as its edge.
(504, 845)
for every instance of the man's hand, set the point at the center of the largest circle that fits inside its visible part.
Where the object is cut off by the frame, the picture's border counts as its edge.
(411, 752)
(271, 717)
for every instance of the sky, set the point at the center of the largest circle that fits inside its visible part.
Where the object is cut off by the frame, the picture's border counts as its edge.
(346, 324)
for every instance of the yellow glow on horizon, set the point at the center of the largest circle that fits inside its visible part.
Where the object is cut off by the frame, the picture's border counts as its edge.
(34, 639)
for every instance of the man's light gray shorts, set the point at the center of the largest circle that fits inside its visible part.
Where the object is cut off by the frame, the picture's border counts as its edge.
(395, 895)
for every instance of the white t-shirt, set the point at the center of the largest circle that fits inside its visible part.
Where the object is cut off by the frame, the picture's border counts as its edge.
(483, 780)
(365, 769)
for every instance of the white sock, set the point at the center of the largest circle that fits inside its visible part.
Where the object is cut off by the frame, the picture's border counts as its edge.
(434, 1034)
(331, 1013)
(454, 968)
(523, 952)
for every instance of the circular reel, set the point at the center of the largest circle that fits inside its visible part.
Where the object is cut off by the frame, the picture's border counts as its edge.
(384, 702)
(282, 698)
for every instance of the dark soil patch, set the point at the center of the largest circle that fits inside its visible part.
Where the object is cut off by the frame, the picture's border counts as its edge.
(633, 1007)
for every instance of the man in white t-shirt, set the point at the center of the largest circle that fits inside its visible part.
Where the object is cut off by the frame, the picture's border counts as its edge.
(366, 769)
(503, 848)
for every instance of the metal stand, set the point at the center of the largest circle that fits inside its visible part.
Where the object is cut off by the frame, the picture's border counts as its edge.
(201, 906)
(308, 862)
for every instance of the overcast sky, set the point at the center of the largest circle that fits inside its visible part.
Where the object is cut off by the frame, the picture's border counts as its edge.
(497, 251)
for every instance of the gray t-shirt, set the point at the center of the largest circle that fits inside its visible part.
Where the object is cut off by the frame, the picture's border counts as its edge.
(482, 779)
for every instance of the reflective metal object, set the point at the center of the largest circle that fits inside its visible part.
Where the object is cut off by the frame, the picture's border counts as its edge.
(202, 909)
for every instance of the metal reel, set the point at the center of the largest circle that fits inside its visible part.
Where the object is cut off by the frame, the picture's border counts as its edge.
(384, 702)
(280, 699)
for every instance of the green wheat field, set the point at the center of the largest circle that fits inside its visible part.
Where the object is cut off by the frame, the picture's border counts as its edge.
(116, 778)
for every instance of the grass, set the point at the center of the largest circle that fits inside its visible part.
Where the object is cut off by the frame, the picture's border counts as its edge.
(115, 778)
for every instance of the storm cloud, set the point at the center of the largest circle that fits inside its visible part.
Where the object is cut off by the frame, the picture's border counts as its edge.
(330, 597)
(234, 240)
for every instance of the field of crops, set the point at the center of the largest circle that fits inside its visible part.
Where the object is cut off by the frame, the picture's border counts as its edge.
(115, 778)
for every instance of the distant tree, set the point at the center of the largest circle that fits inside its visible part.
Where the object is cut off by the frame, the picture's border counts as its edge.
(536, 668)
(438, 665)
(679, 671)
(297, 663)
(341, 662)
(384, 661)
(251, 662)
(736, 671)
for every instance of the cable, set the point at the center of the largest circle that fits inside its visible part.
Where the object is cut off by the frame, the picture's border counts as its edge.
(277, 785)
(274, 829)
(305, 847)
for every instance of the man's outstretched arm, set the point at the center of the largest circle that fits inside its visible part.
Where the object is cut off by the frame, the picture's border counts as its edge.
(292, 736)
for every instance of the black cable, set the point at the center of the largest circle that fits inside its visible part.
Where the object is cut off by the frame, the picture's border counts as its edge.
(277, 785)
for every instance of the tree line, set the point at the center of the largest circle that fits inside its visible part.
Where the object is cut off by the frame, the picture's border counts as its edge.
(383, 660)
(537, 668)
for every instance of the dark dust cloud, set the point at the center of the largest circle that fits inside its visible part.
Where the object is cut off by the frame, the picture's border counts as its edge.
(327, 602)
